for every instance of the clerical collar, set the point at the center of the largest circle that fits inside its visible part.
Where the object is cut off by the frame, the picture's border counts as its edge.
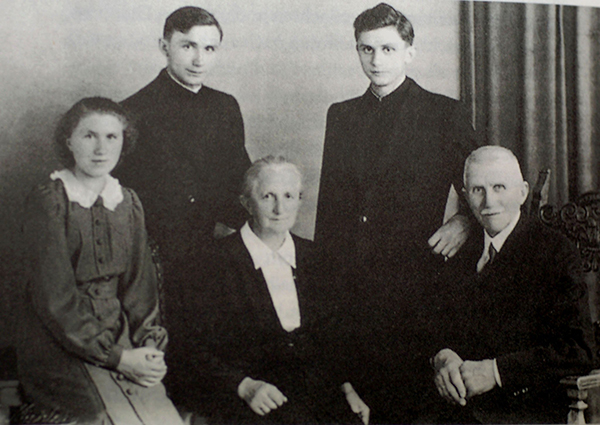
(499, 240)
(380, 98)
(261, 254)
(183, 85)
(111, 195)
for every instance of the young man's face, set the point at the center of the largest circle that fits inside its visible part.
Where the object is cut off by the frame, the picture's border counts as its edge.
(383, 56)
(191, 56)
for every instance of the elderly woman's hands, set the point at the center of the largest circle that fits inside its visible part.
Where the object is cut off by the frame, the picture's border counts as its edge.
(356, 403)
(144, 366)
(261, 396)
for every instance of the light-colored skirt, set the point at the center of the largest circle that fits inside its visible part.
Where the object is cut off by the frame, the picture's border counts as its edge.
(128, 403)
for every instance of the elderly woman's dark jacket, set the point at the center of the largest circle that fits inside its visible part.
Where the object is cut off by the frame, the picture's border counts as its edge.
(235, 324)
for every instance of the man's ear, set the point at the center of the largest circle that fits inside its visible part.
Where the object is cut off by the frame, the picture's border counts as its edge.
(163, 46)
(524, 191)
(411, 52)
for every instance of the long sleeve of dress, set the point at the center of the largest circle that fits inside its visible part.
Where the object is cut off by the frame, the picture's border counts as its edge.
(90, 270)
(140, 287)
(66, 312)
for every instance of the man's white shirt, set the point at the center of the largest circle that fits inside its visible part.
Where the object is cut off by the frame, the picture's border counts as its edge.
(497, 241)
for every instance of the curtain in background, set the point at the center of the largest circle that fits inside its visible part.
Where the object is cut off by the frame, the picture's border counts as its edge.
(530, 73)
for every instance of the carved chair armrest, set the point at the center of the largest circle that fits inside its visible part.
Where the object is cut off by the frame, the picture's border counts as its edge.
(9, 393)
(577, 391)
(9, 396)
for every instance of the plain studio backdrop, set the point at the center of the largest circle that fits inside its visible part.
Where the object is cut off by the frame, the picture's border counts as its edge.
(284, 61)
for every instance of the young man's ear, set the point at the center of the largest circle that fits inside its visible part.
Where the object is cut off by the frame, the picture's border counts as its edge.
(163, 46)
(411, 52)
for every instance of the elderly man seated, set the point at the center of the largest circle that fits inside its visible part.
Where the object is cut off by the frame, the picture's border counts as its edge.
(269, 336)
(516, 315)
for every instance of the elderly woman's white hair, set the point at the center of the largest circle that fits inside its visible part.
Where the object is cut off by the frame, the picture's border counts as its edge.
(257, 166)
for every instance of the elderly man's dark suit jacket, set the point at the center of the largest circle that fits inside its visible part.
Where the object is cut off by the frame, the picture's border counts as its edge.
(528, 309)
(237, 329)
(387, 169)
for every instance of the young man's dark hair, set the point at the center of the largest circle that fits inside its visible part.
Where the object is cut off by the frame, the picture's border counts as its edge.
(183, 19)
(384, 15)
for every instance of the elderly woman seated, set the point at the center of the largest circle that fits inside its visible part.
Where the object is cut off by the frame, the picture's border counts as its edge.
(268, 332)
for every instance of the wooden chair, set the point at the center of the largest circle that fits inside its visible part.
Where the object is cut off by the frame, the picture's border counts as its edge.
(9, 385)
(9, 394)
(580, 222)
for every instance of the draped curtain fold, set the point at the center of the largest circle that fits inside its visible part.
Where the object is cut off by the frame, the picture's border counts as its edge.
(530, 74)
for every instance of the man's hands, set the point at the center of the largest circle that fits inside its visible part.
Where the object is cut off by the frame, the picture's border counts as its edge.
(457, 380)
(357, 405)
(451, 236)
(145, 366)
(478, 377)
(261, 396)
(448, 379)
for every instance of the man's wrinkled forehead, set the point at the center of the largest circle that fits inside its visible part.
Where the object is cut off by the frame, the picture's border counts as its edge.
(498, 170)
(492, 161)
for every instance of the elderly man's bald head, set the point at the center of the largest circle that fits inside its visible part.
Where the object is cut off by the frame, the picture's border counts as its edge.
(487, 154)
(494, 187)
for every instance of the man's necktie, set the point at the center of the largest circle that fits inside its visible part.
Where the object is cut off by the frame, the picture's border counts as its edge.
(488, 258)
(492, 253)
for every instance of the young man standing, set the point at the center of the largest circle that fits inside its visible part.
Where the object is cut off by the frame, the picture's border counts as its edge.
(390, 159)
(190, 159)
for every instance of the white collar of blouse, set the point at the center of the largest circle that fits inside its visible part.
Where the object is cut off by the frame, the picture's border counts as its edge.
(262, 255)
(112, 194)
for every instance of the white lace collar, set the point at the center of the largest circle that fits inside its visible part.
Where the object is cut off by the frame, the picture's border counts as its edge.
(112, 194)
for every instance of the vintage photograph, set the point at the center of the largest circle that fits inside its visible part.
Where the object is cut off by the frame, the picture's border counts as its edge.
(299, 212)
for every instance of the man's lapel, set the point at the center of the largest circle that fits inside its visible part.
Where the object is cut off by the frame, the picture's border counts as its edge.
(506, 265)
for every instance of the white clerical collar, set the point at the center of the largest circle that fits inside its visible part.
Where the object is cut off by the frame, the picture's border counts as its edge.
(500, 238)
(262, 255)
(112, 194)
(183, 85)
(380, 98)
